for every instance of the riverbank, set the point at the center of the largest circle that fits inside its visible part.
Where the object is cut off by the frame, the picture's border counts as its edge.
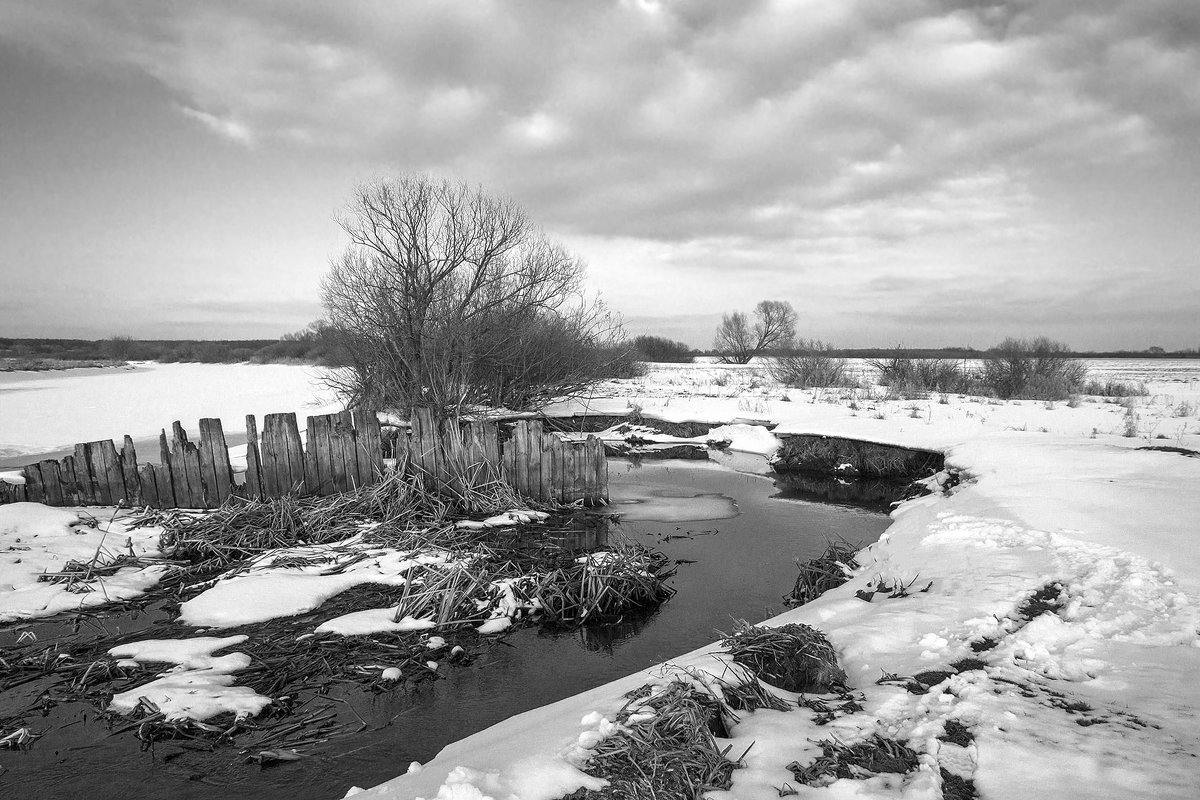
(1087, 692)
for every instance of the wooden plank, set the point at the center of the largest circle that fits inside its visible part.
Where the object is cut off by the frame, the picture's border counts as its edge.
(165, 485)
(147, 486)
(321, 457)
(602, 472)
(52, 494)
(253, 485)
(491, 442)
(208, 469)
(312, 473)
(519, 478)
(277, 454)
(185, 470)
(341, 439)
(294, 453)
(98, 470)
(533, 458)
(175, 472)
(113, 478)
(34, 488)
(364, 441)
(545, 446)
(270, 480)
(424, 441)
(370, 424)
(564, 471)
(12, 492)
(70, 486)
(85, 488)
(212, 438)
(127, 459)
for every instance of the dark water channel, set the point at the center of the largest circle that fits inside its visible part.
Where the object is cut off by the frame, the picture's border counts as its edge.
(737, 565)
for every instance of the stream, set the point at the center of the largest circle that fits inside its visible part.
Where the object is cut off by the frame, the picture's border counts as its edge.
(736, 535)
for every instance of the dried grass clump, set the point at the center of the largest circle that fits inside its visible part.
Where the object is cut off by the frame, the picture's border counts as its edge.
(672, 755)
(861, 760)
(827, 571)
(622, 578)
(794, 657)
(400, 510)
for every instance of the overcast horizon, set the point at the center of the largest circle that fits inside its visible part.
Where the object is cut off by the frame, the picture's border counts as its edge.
(903, 172)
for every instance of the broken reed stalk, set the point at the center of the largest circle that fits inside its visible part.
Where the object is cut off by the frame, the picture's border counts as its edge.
(667, 748)
(794, 657)
(827, 571)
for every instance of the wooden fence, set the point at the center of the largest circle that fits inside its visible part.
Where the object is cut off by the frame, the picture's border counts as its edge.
(340, 452)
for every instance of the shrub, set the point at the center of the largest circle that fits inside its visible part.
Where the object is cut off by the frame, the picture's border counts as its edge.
(811, 366)
(1037, 369)
(660, 349)
(911, 376)
(1114, 389)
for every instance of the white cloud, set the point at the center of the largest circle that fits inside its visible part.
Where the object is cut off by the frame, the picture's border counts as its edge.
(223, 126)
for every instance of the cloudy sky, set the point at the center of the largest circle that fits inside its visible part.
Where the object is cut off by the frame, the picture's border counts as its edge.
(923, 172)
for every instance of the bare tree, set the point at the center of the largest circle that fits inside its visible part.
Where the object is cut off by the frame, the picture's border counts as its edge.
(447, 296)
(774, 328)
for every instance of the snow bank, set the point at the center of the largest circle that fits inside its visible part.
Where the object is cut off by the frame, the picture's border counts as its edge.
(36, 539)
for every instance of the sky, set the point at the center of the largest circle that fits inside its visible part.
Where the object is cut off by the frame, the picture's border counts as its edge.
(905, 172)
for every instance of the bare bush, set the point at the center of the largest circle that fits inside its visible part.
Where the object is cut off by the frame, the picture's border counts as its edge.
(447, 296)
(737, 341)
(913, 376)
(1037, 369)
(811, 366)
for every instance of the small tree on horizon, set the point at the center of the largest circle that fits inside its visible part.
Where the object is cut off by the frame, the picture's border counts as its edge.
(774, 328)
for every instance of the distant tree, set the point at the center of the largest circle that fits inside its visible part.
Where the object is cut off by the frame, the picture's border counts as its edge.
(1156, 350)
(737, 341)
(446, 296)
(658, 348)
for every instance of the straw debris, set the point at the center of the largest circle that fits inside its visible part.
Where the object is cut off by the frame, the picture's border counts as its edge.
(666, 749)
(793, 657)
(827, 571)
(862, 760)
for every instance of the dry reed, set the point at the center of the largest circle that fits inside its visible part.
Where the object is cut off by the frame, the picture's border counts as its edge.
(794, 657)
(672, 755)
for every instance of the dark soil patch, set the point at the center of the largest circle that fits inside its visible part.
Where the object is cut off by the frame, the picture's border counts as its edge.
(956, 787)
(1046, 600)
(968, 664)
(957, 733)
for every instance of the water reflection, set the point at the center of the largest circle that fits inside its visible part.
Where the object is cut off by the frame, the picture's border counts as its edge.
(872, 493)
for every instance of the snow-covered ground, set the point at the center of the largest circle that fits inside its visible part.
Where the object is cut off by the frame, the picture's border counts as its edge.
(45, 411)
(1095, 699)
